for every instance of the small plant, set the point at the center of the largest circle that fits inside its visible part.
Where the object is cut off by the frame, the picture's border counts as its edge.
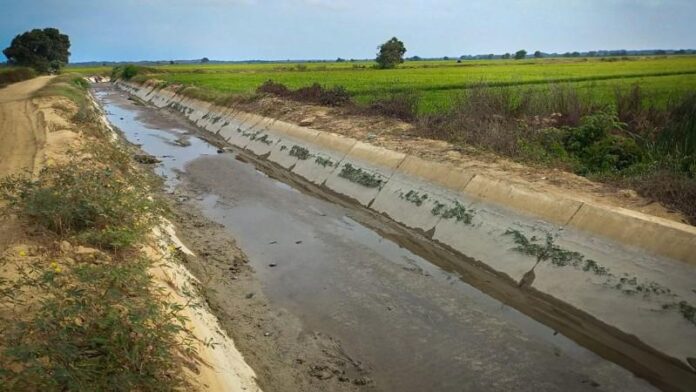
(414, 197)
(359, 176)
(263, 139)
(550, 251)
(324, 161)
(283, 147)
(300, 152)
(458, 212)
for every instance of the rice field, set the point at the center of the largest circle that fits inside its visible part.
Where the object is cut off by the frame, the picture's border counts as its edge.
(439, 82)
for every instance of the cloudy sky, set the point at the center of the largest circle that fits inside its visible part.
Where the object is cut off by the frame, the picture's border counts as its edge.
(326, 29)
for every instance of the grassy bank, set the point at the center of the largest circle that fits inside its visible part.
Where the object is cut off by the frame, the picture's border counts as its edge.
(79, 308)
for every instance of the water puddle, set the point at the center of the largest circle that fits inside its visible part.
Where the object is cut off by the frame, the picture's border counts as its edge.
(416, 326)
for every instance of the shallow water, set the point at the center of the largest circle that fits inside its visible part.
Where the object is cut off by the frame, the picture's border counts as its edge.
(414, 325)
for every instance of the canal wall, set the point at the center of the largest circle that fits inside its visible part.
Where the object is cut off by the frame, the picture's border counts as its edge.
(632, 271)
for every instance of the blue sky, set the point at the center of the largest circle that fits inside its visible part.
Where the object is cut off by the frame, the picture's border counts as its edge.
(326, 29)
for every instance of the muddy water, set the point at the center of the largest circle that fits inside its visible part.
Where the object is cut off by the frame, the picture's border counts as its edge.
(414, 326)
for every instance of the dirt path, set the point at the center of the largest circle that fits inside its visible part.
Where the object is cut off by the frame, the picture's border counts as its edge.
(21, 137)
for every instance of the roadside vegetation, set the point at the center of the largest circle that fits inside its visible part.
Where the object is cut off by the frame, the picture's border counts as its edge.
(9, 75)
(79, 308)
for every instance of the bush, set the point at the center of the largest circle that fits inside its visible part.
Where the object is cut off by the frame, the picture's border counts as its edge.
(271, 87)
(92, 204)
(317, 94)
(403, 106)
(611, 154)
(129, 71)
(14, 75)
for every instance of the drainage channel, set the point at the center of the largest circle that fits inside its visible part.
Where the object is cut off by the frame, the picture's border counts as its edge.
(411, 320)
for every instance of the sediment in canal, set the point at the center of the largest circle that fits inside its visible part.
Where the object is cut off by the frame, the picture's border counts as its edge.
(625, 299)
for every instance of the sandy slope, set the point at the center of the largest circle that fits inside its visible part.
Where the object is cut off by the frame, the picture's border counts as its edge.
(36, 132)
(21, 137)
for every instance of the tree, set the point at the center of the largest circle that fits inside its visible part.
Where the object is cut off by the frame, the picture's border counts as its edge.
(506, 56)
(391, 54)
(538, 54)
(205, 60)
(44, 50)
(520, 54)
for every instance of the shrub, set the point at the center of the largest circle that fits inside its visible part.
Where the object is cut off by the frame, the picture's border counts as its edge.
(271, 87)
(14, 75)
(613, 153)
(317, 94)
(403, 106)
(92, 204)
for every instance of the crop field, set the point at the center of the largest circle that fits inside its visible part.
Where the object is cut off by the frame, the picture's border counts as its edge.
(437, 83)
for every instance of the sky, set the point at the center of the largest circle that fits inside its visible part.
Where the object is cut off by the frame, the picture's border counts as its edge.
(133, 30)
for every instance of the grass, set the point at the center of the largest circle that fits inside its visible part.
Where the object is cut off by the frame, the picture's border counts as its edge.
(93, 321)
(438, 82)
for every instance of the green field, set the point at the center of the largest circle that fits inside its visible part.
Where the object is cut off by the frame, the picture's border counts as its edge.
(438, 82)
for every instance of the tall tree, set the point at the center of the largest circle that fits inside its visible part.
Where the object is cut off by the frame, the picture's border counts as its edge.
(520, 54)
(45, 50)
(391, 54)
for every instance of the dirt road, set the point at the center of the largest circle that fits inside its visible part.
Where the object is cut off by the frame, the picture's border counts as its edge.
(21, 137)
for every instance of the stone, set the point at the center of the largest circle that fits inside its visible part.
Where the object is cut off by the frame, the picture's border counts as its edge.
(307, 121)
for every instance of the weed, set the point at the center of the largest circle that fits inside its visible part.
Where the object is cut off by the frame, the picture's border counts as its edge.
(97, 327)
(550, 251)
(300, 152)
(437, 208)
(359, 176)
(324, 162)
(591, 265)
(687, 310)
(263, 139)
(459, 213)
(414, 197)
(92, 203)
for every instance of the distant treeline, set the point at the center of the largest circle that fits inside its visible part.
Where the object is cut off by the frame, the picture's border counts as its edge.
(490, 56)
